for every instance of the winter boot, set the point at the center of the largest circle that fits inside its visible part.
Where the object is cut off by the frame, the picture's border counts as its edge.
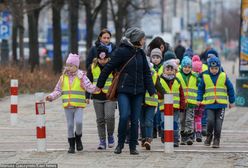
(198, 137)
(155, 132)
(183, 138)
(118, 149)
(216, 143)
(143, 140)
(102, 144)
(72, 145)
(148, 143)
(190, 137)
(79, 144)
(208, 140)
(111, 141)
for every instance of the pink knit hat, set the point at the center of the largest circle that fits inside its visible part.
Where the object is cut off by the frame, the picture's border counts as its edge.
(73, 59)
(196, 64)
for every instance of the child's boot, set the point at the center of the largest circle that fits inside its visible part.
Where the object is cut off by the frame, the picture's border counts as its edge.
(143, 140)
(111, 141)
(148, 143)
(102, 144)
(208, 140)
(198, 137)
(79, 144)
(190, 138)
(72, 145)
(216, 143)
(183, 138)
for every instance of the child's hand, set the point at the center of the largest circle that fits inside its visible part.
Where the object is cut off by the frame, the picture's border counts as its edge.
(231, 105)
(49, 98)
(198, 103)
(87, 101)
(97, 89)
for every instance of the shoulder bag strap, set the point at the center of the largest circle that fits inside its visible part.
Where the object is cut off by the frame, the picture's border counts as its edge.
(126, 63)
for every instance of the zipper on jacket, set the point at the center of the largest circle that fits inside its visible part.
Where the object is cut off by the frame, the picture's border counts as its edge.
(135, 83)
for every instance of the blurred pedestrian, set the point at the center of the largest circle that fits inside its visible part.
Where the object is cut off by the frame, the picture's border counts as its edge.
(104, 108)
(104, 40)
(134, 81)
(71, 86)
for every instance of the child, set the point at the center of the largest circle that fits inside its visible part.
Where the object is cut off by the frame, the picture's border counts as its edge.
(189, 84)
(171, 84)
(156, 59)
(197, 68)
(105, 109)
(72, 85)
(213, 91)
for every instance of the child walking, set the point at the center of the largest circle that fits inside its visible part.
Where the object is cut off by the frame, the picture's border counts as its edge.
(197, 68)
(171, 84)
(189, 83)
(71, 86)
(105, 109)
(214, 91)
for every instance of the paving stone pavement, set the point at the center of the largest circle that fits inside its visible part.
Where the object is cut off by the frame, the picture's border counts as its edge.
(18, 143)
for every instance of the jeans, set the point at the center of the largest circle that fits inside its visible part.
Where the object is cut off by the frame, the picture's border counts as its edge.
(146, 121)
(129, 106)
(215, 120)
(157, 119)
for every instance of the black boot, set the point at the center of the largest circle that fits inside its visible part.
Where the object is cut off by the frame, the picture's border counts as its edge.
(208, 140)
(79, 144)
(216, 143)
(134, 152)
(72, 145)
(118, 149)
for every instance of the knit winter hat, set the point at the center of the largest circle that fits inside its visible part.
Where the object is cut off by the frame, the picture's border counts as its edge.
(186, 62)
(214, 62)
(73, 59)
(212, 52)
(196, 64)
(171, 63)
(134, 34)
(169, 55)
(102, 52)
(189, 52)
(157, 52)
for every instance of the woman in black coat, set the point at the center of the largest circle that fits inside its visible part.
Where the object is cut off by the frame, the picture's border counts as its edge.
(134, 81)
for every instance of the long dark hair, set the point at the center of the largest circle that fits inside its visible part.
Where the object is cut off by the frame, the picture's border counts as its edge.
(156, 43)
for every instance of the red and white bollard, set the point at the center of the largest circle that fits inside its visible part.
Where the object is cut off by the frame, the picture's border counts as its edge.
(40, 122)
(168, 124)
(13, 101)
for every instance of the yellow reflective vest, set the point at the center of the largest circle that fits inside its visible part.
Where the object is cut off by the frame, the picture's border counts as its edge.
(72, 94)
(152, 100)
(174, 90)
(215, 93)
(96, 73)
(204, 67)
(190, 89)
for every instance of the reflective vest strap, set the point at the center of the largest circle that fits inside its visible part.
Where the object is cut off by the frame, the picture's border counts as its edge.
(73, 92)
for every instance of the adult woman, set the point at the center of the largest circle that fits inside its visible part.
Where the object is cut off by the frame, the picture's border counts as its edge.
(134, 80)
(104, 40)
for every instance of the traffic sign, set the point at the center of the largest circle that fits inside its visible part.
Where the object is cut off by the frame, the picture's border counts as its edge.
(4, 31)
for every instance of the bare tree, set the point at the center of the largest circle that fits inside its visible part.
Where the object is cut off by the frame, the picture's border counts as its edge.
(104, 15)
(91, 15)
(57, 54)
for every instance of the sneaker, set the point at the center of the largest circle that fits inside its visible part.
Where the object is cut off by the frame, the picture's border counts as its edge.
(198, 136)
(102, 144)
(111, 141)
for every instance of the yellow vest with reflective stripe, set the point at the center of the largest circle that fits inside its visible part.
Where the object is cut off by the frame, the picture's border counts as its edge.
(96, 73)
(174, 90)
(204, 67)
(152, 101)
(215, 93)
(190, 89)
(160, 70)
(72, 94)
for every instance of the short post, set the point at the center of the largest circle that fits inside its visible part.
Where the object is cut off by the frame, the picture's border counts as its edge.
(168, 124)
(13, 101)
(40, 122)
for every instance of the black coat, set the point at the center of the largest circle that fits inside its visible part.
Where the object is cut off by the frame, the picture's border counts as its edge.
(136, 76)
(93, 53)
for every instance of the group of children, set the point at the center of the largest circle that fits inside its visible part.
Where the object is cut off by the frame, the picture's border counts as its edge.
(195, 88)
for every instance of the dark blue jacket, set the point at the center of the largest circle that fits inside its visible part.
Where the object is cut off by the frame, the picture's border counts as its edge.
(93, 53)
(230, 91)
(136, 76)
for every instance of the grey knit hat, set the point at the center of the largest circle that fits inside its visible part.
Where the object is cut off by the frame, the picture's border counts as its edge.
(134, 34)
(156, 51)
